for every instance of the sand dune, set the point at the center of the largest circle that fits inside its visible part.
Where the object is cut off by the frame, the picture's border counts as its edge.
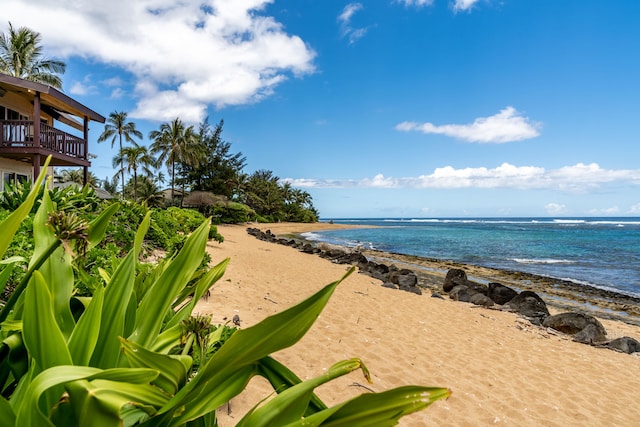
(501, 369)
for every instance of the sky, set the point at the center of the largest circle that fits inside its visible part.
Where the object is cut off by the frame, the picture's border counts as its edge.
(378, 109)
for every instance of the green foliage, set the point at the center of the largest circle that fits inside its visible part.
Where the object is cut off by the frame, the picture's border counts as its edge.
(232, 213)
(127, 355)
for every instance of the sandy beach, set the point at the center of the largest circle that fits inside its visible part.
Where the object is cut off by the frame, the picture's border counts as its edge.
(501, 369)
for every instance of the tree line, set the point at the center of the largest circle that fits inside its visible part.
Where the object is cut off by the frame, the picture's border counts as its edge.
(203, 172)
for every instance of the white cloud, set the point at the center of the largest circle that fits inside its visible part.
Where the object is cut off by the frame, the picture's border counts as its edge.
(417, 3)
(204, 52)
(612, 211)
(579, 178)
(555, 208)
(506, 126)
(346, 28)
(80, 88)
(463, 5)
(635, 209)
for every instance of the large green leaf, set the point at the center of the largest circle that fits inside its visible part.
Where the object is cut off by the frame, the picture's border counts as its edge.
(10, 224)
(7, 415)
(85, 335)
(173, 372)
(231, 367)
(98, 226)
(281, 378)
(202, 286)
(291, 404)
(33, 410)
(103, 403)
(56, 269)
(375, 409)
(41, 333)
(157, 301)
(117, 299)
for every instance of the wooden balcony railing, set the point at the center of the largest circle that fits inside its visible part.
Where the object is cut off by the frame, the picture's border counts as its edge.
(20, 134)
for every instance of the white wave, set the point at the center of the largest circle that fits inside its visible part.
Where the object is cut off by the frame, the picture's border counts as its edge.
(542, 261)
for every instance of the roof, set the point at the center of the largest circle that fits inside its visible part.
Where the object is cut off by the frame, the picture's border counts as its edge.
(50, 97)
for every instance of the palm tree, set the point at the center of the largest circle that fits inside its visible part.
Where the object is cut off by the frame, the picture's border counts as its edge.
(21, 56)
(77, 176)
(117, 127)
(175, 144)
(132, 159)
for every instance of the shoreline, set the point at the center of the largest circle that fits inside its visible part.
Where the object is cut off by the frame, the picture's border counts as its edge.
(502, 369)
(559, 294)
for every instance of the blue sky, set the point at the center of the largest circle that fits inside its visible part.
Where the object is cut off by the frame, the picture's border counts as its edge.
(413, 108)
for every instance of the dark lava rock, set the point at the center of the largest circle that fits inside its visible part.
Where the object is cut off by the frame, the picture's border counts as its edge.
(454, 277)
(530, 305)
(624, 344)
(460, 293)
(584, 328)
(500, 294)
(481, 299)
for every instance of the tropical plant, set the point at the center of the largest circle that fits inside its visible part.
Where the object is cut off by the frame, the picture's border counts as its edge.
(175, 144)
(21, 56)
(132, 159)
(147, 191)
(116, 128)
(119, 358)
(77, 176)
(218, 170)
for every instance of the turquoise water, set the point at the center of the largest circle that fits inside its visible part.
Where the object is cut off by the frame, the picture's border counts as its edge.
(602, 252)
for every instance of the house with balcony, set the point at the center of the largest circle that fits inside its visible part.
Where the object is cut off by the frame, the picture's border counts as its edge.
(32, 119)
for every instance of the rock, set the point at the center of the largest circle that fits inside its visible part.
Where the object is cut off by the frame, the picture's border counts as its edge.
(500, 294)
(481, 299)
(460, 293)
(624, 344)
(404, 277)
(454, 277)
(591, 334)
(389, 285)
(584, 328)
(413, 289)
(436, 295)
(530, 305)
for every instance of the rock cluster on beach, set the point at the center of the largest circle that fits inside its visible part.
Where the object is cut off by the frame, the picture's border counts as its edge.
(581, 327)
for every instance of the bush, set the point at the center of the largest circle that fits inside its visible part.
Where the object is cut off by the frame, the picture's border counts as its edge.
(232, 213)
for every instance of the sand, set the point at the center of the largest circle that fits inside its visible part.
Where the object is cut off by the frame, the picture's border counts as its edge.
(501, 369)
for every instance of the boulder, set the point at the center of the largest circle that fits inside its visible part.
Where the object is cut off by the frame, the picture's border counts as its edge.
(404, 277)
(584, 328)
(481, 299)
(500, 294)
(413, 289)
(460, 293)
(624, 344)
(530, 305)
(454, 277)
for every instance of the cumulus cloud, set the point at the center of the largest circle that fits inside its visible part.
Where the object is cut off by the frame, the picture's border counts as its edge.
(202, 52)
(506, 126)
(346, 28)
(463, 5)
(579, 178)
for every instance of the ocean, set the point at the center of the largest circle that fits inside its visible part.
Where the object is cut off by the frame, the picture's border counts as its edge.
(600, 252)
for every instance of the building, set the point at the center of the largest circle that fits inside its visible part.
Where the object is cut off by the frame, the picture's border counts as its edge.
(31, 118)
